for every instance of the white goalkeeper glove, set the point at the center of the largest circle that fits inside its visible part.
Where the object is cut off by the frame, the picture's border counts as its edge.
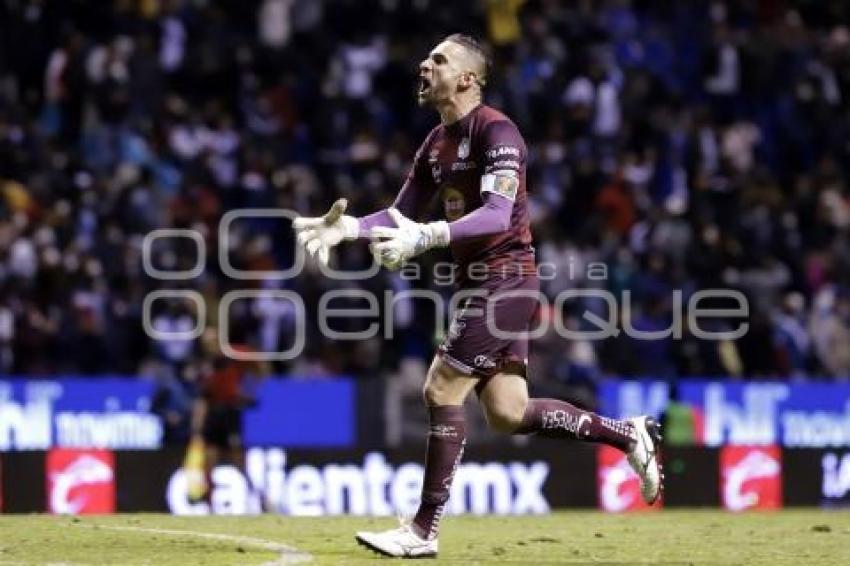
(319, 234)
(408, 239)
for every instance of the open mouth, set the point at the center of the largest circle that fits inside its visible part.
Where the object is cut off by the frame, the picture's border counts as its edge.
(424, 85)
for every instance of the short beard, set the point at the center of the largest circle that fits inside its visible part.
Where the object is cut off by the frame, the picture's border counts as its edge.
(425, 101)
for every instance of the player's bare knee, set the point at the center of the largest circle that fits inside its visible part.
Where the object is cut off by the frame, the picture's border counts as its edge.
(505, 415)
(432, 394)
(438, 394)
(445, 386)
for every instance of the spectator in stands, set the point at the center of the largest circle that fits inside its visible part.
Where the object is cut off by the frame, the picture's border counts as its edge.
(709, 135)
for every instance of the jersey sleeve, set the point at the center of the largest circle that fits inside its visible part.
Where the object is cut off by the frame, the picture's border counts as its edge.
(493, 217)
(413, 198)
(504, 158)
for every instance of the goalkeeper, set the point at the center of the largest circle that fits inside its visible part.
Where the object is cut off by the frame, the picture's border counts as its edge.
(474, 162)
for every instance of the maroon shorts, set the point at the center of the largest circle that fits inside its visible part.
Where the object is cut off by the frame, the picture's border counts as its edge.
(489, 327)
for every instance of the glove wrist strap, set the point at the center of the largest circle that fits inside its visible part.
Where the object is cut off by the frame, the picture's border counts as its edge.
(350, 227)
(440, 234)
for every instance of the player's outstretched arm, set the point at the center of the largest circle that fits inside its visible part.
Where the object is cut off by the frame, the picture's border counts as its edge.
(411, 201)
(492, 217)
(319, 234)
(395, 246)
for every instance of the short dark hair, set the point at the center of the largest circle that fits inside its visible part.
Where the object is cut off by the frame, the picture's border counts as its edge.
(476, 47)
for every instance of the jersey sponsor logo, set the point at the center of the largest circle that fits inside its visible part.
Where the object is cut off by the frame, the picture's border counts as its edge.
(80, 481)
(454, 205)
(503, 150)
(510, 165)
(463, 149)
(751, 477)
(463, 165)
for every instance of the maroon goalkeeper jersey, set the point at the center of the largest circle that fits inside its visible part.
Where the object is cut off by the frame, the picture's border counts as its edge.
(449, 166)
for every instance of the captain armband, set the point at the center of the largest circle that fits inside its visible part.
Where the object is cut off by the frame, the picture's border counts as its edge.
(504, 182)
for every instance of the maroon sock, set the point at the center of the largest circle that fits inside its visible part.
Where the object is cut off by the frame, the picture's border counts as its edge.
(552, 418)
(446, 439)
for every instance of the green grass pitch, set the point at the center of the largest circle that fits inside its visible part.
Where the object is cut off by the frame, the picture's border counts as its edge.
(809, 537)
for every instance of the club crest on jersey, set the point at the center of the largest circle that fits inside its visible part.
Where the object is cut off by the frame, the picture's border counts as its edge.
(437, 172)
(463, 149)
(433, 155)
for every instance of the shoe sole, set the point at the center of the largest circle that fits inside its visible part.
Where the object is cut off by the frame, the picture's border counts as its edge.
(653, 428)
(380, 552)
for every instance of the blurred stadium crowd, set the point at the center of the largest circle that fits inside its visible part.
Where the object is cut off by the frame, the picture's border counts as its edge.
(686, 145)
